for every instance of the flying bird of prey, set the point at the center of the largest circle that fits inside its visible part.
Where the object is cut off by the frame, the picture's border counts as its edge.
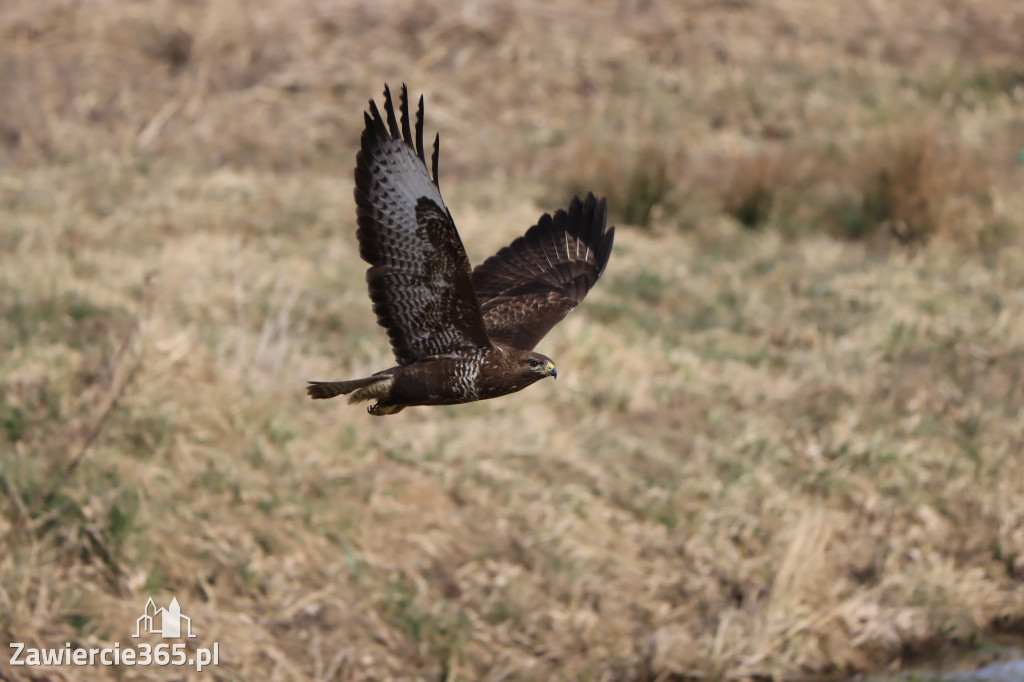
(458, 334)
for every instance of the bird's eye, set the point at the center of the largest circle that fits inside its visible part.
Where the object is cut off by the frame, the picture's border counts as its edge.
(534, 363)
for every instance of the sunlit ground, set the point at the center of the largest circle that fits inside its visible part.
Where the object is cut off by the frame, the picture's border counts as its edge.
(787, 433)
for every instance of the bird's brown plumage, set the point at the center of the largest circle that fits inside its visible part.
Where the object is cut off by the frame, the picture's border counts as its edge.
(458, 334)
(530, 285)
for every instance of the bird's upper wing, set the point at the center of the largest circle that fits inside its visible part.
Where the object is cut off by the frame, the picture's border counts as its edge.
(419, 277)
(531, 284)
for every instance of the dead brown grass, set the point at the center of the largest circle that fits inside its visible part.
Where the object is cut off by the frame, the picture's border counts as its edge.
(788, 453)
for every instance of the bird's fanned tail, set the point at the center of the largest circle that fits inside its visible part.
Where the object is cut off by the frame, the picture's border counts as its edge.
(361, 389)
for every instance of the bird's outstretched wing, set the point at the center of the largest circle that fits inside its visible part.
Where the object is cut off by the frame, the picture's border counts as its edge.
(531, 284)
(419, 278)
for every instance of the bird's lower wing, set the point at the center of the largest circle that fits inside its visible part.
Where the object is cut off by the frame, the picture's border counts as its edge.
(530, 285)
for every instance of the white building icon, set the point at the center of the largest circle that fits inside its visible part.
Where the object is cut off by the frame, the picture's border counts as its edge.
(164, 622)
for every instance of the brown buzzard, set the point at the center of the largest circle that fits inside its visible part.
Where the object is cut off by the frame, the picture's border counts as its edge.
(458, 334)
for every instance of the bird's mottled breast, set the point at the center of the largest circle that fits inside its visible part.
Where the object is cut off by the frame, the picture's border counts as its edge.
(466, 374)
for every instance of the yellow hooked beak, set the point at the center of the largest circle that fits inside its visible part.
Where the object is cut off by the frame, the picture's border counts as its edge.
(551, 371)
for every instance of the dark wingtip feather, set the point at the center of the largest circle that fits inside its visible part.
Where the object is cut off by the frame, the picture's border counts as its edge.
(375, 123)
(437, 153)
(419, 130)
(389, 109)
(603, 235)
(404, 104)
(605, 251)
(596, 233)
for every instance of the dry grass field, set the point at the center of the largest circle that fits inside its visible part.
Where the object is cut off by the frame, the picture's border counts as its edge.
(786, 438)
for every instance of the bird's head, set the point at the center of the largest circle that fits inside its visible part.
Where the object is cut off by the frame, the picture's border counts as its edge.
(537, 366)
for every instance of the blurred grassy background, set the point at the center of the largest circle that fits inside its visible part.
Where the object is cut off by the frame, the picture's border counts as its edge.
(787, 436)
